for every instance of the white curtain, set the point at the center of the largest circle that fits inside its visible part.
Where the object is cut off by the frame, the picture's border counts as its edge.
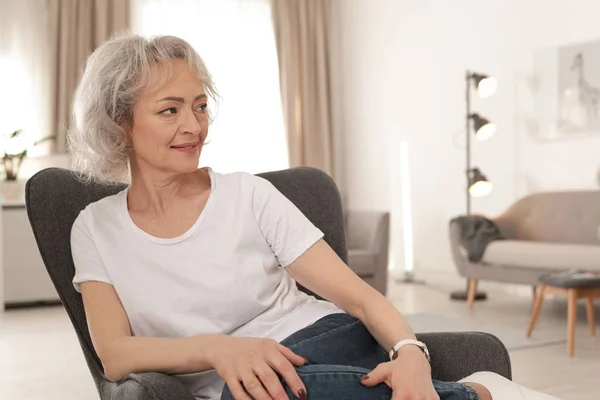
(25, 85)
(235, 38)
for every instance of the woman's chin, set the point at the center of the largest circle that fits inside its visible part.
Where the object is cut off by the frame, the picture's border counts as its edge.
(188, 168)
(184, 167)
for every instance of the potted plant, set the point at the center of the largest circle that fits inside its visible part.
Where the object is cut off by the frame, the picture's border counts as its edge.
(15, 152)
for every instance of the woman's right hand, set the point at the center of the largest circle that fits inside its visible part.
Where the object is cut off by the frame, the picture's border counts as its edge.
(252, 365)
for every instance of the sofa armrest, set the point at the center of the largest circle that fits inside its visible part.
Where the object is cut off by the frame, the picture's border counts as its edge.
(457, 355)
(459, 253)
(146, 386)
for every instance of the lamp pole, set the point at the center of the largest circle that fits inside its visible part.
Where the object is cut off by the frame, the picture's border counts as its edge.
(462, 295)
(468, 134)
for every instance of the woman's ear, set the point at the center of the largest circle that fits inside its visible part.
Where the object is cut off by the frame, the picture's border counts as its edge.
(127, 126)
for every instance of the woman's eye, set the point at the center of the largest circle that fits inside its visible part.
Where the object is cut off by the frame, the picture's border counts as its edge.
(169, 111)
(202, 107)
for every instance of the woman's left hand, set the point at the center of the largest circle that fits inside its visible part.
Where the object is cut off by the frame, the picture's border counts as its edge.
(409, 376)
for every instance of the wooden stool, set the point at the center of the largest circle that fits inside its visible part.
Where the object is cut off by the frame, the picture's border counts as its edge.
(575, 285)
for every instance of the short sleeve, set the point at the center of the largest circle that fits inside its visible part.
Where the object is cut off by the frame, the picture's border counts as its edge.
(87, 260)
(286, 229)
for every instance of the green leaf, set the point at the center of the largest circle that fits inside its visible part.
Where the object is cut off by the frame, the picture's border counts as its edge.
(16, 133)
(44, 139)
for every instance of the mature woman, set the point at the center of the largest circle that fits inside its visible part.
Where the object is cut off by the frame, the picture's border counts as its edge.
(193, 273)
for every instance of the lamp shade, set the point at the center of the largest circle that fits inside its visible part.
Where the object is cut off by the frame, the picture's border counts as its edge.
(479, 186)
(486, 85)
(484, 129)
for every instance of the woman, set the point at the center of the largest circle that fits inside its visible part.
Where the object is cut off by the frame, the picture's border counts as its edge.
(193, 273)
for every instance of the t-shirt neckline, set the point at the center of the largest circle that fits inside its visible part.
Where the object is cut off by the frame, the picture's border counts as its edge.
(183, 236)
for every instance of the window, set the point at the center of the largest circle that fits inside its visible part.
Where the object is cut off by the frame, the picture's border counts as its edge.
(24, 79)
(235, 39)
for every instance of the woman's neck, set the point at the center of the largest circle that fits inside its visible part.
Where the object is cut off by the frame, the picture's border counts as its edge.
(157, 192)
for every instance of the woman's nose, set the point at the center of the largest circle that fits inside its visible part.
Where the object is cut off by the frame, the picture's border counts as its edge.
(190, 123)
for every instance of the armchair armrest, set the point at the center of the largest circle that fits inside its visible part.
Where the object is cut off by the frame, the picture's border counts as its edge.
(457, 355)
(453, 357)
(146, 386)
(367, 230)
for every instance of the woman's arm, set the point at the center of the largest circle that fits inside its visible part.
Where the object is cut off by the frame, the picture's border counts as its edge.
(121, 353)
(320, 270)
(253, 361)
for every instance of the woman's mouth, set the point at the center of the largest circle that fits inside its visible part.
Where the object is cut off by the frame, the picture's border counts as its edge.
(186, 147)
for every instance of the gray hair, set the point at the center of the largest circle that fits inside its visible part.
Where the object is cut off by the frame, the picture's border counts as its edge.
(113, 77)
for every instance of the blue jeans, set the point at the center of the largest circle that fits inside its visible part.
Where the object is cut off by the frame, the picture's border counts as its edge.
(340, 350)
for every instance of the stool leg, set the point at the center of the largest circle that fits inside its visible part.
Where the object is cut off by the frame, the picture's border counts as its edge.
(536, 309)
(572, 317)
(590, 316)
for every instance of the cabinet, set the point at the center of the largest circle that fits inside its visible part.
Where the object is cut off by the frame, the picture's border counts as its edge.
(25, 277)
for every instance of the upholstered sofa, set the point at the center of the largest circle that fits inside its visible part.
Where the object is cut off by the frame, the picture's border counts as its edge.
(543, 232)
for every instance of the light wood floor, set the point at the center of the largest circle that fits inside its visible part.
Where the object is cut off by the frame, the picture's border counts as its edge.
(40, 357)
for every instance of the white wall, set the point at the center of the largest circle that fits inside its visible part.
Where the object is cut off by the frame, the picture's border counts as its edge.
(404, 65)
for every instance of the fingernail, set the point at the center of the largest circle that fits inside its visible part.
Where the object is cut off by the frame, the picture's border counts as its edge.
(302, 394)
(364, 378)
(306, 361)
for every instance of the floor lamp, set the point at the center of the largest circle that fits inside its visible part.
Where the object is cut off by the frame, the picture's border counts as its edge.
(477, 183)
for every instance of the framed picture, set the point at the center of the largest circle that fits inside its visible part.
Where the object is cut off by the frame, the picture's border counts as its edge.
(567, 95)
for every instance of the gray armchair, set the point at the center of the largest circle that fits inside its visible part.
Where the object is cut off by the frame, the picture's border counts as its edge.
(368, 235)
(55, 197)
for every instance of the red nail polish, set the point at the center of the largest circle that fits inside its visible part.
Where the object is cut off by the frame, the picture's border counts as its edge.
(364, 378)
(302, 394)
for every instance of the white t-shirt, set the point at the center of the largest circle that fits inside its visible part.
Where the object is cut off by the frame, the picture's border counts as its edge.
(225, 275)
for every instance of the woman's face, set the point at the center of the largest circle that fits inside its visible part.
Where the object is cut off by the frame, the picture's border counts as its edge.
(170, 122)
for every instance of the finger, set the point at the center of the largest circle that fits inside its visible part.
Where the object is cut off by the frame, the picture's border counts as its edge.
(377, 376)
(293, 357)
(255, 387)
(289, 374)
(237, 391)
(271, 382)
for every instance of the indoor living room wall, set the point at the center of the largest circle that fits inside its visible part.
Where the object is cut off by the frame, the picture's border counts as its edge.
(404, 79)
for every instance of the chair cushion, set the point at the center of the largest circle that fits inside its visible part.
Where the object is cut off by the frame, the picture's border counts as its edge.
(542, 255)
(362, 262)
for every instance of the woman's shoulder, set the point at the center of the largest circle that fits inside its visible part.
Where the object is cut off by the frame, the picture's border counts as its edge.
(240, 180)
(104, 209)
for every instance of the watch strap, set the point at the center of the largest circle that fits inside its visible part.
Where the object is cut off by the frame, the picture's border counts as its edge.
(394, 351)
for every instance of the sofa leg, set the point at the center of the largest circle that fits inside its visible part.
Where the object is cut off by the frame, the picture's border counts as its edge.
(471, 293)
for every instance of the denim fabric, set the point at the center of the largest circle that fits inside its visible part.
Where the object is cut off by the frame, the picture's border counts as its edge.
(340, 350)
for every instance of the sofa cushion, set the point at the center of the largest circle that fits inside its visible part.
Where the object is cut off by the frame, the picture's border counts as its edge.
(542, 255)
(362, 262)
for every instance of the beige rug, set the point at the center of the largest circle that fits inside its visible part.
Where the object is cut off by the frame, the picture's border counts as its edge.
(512, 338)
